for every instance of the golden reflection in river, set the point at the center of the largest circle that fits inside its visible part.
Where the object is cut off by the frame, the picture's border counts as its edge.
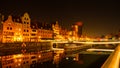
(24, 60)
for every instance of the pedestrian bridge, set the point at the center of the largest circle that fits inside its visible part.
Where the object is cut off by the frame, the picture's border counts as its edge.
(104, 50)
(77, 45)
(88, 42)
(113, 59)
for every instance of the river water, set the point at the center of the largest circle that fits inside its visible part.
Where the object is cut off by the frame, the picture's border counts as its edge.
(34, 58)
(85, 61)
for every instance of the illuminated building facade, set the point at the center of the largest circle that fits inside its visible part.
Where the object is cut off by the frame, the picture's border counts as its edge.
(20, 29)
(26, 27)
(16, 29)
(64, 33)
(18, 37)
(8, 30)
(56, 28)
(59, 33)
(44, 30)
(45, 34)
(34, 36)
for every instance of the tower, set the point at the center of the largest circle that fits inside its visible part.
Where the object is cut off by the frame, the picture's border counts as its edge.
(74, 31)
(77, 30)
(79, 27)
(56, 29)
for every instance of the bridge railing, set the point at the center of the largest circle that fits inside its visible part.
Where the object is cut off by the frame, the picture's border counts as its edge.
(113, 59)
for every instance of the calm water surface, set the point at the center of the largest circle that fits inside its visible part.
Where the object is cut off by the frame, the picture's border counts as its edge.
(48, 59)
(34, 58)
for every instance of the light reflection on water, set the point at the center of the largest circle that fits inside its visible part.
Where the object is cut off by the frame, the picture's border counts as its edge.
(34, 58)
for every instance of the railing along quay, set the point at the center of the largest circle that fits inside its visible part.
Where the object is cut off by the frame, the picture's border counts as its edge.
(113, 59)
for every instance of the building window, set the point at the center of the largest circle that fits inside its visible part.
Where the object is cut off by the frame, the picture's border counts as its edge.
(34, 30)
(27, 22)
(33, 34)
(24, 30)
(10, 28)
(34, 62)
(24, 22)
(27, 62)
(9, 66)
(23, 62)
(25, 34)
(7, 28)
(27, 30)
(33, 57)
(25, 18)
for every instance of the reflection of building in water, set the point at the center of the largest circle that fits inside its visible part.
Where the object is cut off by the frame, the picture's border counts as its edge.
(7, 61)
(25, 60)
(59, 54)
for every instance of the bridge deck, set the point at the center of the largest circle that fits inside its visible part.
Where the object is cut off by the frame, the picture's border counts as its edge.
(96, 42)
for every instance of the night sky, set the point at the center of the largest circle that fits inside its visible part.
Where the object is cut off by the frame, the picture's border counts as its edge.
(99, 17)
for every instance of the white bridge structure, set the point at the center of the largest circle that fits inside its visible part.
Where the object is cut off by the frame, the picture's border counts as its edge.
(88, 42)
(113, 60)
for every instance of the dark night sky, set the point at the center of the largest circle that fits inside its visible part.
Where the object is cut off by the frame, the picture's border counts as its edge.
(98, 17)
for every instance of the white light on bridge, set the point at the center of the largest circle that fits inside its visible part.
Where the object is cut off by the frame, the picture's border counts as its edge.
(107, 42)
(109, 50)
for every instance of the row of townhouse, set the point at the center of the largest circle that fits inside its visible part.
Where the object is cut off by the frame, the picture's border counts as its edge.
(20, 29)
(16, 29)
